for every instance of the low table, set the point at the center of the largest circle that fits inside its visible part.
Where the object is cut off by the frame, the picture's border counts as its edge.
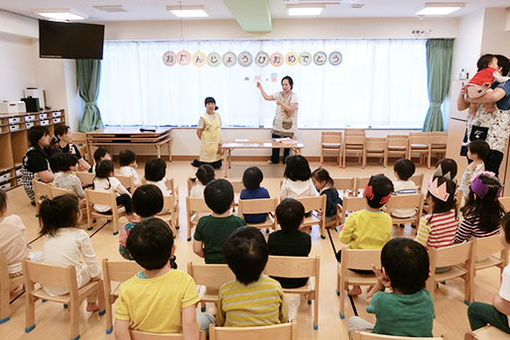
(255, 144)
(131, 136)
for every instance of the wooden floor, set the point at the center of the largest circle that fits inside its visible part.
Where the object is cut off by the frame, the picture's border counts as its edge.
(52, 320)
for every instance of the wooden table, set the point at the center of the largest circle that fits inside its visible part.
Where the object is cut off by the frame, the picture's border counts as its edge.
(254, 144)
(131, 136)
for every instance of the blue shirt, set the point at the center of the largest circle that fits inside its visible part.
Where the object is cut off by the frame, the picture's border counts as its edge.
(249, 194)
(504, 103)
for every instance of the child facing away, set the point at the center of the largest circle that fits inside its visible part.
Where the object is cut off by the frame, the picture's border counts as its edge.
(290, 241)
(155, 171)
(64, 164)
(326, 186)
(252, 177)
(12, 240)
(438, 228)
(297, 180)
(128, 165)
(404, 169)
(157, 299)
(252, 299)
(408, 310)
(446, 167)
(480, 314)
(209, 133)
(204, 175)
(105, 182)
(212, 230)
(66, 244)
(369, 228)
(482, 211)
(147, 201)
(100, 154)
(478, 151)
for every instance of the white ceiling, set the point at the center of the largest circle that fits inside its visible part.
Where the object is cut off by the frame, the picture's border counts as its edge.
(156, 9)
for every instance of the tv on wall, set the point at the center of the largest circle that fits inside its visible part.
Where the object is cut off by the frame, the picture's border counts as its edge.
(70, 40)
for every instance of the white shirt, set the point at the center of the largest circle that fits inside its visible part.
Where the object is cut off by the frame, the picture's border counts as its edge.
(129, 171)
(102, 185)
(197, 190)
(504, 289)
(162, 186)
(296, 189)
(66, 248)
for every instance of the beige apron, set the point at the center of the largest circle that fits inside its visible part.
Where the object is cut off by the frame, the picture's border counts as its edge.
(211, 137)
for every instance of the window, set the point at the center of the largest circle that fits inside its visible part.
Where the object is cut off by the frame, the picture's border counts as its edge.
(380, 83)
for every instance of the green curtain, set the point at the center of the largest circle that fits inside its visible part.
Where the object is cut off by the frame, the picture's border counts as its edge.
(88, 74)
(439, 65)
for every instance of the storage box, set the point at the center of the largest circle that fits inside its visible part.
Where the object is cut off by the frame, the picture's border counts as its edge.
(5, 177)
(18, 172)
(5, 186)
(56, 120)
(29, 118)
(14, 120)
(12, 107)
(44, 122)
(43, 115)
(16, 127)
(56, 114)
(29, 125)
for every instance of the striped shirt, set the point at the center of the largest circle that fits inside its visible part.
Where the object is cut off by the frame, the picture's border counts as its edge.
(257, 304)
(439, 231)
(69, 181)
(470, 227)
(404, 188)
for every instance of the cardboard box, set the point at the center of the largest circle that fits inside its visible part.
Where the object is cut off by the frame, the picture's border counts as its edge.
(12, 107)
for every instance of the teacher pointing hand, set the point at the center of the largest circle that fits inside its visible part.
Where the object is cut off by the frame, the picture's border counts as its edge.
(285, 120)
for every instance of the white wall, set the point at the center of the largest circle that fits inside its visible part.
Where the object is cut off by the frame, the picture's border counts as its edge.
(495, 38)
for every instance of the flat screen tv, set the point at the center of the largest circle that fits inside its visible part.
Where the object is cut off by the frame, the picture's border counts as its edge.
(70, 40)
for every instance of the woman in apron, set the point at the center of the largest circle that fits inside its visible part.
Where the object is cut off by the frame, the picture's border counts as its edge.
(209, 133)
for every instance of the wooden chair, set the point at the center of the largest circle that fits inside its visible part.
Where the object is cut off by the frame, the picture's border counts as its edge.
(360, 259)
(6, 285)
(238, 186)
(80, 140)
(61, 277)
(332, 141)
(484, 249)
(128, 182)
(352, 204)
(171, 207)
(459, 258)
(374, 147)
(413, 201)
(316, 204)
(285, 331)
(505, 202)
(86, 178)
(114, 273)
(458, 201)
(359, 185)
(260, 206)
(296, 267)
(41, 191)
(419, 142)
(105, 198)
(486, 333)
(195, 206)
(418, 180)
(438, 143)
(210, 278)
(358, 335)
(396, 144)
(140, 335)
(354, 143)
(345, 185)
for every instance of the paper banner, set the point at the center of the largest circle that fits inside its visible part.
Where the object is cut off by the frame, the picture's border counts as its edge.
(335, 58)
(291, 58)
(229, 59)
(320, 58)
(305, 58)
(262, 59)
(276, 59)
(245, 59)
(213, 59)
(199, 59)
(183, 57)
(169, 58)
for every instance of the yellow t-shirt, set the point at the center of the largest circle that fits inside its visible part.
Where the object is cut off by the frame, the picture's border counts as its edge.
(365, 229)
(155, 304)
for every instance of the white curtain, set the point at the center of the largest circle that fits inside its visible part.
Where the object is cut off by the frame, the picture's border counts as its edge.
(379, 84)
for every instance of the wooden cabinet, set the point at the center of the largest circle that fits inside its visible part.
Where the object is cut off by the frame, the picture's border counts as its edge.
(14, 142)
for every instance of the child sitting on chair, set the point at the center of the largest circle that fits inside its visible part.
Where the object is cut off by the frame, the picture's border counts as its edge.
(158, 299)
(204, 175)
(65, 164)
(252, 299)
(409, 309)
(212, 230)
(155, 171)
(404, 169)
(252, 178)
(369, 228)
(100, 154)
(290, 241)
(478, 151)
(128, 165)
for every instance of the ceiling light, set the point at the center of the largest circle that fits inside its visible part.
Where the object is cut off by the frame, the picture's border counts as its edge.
(60, 14)
(305, 9)
(188, 11)
(440, 8)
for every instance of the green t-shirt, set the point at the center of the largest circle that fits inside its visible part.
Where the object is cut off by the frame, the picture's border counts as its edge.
(403, 314)
(213, 232)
